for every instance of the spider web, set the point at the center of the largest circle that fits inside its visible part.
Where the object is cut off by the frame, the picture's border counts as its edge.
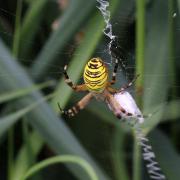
(112, 46)
(109, 50)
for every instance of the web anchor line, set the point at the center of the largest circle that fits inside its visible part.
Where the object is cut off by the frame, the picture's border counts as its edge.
(152, 165)
(103, 5)
(114, 49)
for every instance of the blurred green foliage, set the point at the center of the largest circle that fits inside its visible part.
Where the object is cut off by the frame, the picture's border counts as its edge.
(37, 38)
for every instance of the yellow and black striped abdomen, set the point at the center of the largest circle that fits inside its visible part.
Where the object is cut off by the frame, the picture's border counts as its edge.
(95, 75)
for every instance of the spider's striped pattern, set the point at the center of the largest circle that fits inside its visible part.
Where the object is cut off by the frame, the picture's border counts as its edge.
(95, 75)
(97, 83)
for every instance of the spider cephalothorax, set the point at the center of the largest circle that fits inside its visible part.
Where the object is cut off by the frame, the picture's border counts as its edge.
(97, 84)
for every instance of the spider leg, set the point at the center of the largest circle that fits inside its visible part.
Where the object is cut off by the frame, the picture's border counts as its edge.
(129, 84)
(76, 88)
(114, 73)
(113, 90)
(79, 106)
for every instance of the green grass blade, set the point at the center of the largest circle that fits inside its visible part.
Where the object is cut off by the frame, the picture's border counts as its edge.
(119, 154)
(178, 3)
(166, 155)
(156, 83)
(9, 120)
(165, 112)
(30, 25)
(10, 156)
(16, 40)
(169, 113)
(64, 32)
(140, 44)
(140, 55)
(62, 159)
(4, 97)
(21, 163)
(172, 61)
(15, 52)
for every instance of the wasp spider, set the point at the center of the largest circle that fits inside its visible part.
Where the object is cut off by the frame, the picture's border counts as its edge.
(97, 84)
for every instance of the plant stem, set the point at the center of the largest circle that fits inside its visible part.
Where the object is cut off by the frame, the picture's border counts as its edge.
(10, 152)
(172, 69)
(140, 42)
(15, 50)
(136, 161)
(16, 39)
(62, 159)
(140, 55)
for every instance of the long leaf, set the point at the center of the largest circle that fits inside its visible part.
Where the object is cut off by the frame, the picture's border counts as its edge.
(62, 159)
(156, 82)
(4, 97)
(9, 120)
(21, 164)
(166, 155)
(31, 25)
